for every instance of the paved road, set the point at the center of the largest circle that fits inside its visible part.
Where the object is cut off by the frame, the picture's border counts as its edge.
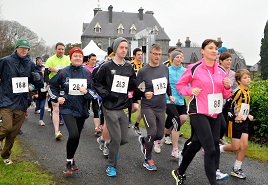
(89, 158)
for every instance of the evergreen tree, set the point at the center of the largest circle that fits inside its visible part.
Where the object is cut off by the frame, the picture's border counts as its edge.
(264, 54)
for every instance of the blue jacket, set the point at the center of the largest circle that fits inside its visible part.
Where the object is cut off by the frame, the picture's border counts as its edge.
(74, 105)
(174, 76)
(16, 66)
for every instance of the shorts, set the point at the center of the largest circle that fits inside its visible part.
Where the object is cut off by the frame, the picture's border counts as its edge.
(235, 130)
(171, 113)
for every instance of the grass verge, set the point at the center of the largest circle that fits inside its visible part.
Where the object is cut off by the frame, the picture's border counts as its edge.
(24, 170)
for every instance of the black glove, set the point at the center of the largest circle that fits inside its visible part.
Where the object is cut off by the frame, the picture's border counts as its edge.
(36, 76)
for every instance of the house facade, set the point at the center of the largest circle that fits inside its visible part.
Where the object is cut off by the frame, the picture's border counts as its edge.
(108, 25)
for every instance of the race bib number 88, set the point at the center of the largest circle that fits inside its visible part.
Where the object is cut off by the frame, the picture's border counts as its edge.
(215, 103)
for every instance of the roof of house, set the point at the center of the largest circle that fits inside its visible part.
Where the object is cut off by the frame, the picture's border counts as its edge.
(127, 20)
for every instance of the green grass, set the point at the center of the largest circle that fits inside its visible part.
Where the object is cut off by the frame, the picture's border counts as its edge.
(254, 151)
(23, 170)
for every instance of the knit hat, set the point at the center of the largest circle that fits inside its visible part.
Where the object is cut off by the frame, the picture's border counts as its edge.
(222, 50)
(74, 49)
(23, 43)
(174, 54)
(116, 43)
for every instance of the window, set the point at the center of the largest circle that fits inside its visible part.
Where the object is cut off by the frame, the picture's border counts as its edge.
(133, 29)
(155, 30)
(97, 28)
(120, 29)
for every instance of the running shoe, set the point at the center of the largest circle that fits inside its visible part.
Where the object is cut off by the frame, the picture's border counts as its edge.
(111, 171)
(129, 125)
(58, 135)
(223, 141)
(42, 123)
(97, 131)
(178, 178)
(101, 143)
(37, 112)
(8, 161)
(70, 167)
(238, 173)
(143, 147)
(149, 165)
(167, 140)
(175, 153)
(180, 158)
(157, 146)
(221, 176)
(105, 151)
(137, 130)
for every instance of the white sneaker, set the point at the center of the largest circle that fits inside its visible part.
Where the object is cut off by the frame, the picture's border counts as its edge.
(168, 140)
(7, 161)
(42, 123)
(157, 146)
(180, 158)
(58, 135)
(175, 153)
(221, 176)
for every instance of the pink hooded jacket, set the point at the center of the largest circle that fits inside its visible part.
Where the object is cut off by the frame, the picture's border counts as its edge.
(199, 76)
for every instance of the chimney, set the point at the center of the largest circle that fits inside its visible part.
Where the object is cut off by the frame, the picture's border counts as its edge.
(141, 13)
(219, 42)
(187, 42)
(110, 9)
(96, 10)
(149, 12)
(179, 43)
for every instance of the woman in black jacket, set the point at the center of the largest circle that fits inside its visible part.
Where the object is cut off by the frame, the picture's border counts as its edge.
(72, 87)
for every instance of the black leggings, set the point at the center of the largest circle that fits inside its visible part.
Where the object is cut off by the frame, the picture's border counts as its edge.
(206, 134)
(95, 107)
(74, 127)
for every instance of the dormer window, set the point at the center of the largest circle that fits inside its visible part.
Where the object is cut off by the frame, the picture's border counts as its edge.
(133, 29)
(155, 30)
(120, 29)
(97, 28)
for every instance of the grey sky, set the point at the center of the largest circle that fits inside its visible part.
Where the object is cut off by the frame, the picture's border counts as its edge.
(240, 23)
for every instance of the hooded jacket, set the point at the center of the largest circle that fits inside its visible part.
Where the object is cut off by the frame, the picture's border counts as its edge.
(199, 76)
(15, 66)
(74, 105)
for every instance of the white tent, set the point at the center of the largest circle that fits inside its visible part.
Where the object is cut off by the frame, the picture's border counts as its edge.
(93, 48)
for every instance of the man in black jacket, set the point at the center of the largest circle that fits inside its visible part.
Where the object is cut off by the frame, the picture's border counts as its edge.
(112, 82)
(17, 71)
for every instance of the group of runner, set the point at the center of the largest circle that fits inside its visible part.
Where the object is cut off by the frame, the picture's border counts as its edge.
(117, 87)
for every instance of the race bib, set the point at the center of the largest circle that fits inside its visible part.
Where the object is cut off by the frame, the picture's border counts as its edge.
(244, 111)
(120, 84)
(75, 84)
(215, 103)
(20, 84)
(160, 85)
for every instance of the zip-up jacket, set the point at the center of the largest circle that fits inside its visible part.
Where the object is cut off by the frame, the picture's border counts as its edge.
(174, 75)
(75, 105)
(15, 66)
(199, 76)
(103, 84)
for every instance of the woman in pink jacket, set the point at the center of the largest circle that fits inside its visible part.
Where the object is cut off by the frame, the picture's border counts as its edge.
(209, 85)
